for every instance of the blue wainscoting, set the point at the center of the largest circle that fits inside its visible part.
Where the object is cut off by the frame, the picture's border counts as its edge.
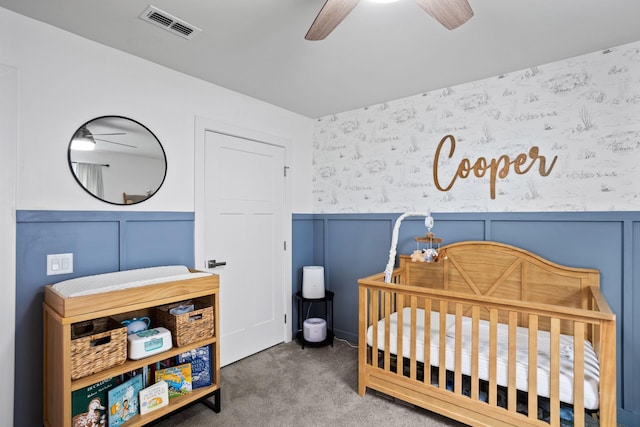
(101, 242)
(351, 246)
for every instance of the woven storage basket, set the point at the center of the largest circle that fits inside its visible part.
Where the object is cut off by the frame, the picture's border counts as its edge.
(190, 327)
(96, 345)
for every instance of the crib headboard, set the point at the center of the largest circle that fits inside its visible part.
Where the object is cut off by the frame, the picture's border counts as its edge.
(502, 271)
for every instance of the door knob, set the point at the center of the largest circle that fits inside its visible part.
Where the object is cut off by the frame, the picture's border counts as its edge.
(213, 264)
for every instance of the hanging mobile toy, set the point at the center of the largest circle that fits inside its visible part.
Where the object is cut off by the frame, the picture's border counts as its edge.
(429, 254)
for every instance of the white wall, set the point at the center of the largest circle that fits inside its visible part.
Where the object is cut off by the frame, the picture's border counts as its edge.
(8, 138)
(66, 80)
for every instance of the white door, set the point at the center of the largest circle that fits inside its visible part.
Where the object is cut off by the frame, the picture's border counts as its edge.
(244, 227)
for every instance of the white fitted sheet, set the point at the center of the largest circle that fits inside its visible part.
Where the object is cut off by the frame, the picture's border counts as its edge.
(592, 369)
(89, 285)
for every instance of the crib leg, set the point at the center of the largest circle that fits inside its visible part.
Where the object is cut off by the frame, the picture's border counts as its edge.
(361, 389)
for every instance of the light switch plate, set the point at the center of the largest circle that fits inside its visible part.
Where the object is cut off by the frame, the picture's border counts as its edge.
(59, 264)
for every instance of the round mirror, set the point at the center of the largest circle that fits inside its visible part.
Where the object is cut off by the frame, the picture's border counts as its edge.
(117, 160)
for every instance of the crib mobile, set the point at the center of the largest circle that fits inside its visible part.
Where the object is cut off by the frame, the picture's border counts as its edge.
(428, 254)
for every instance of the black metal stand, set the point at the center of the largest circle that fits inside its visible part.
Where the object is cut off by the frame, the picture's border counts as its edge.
(215, 407)
(328, 310)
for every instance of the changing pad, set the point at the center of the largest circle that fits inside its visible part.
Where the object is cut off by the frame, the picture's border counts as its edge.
(89, 285)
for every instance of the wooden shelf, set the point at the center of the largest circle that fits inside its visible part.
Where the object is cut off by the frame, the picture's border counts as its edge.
(131, 365)
(60, 314)
(174, 404)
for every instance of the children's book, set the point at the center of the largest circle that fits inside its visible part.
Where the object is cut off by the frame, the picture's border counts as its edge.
(89, 404)
(178, 378)
(154, 397)
(146, 376)
(200, 360)
(159, 365)
(123, 401)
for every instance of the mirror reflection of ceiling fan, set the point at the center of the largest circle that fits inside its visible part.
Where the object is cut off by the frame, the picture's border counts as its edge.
(84, 140)
(450, 13)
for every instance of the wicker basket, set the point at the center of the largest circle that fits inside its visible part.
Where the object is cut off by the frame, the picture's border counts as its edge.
(190, 327)
(96, 345)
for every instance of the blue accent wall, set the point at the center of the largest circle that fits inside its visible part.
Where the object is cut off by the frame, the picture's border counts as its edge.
(351, 246)
(101, 242)
(307, 249)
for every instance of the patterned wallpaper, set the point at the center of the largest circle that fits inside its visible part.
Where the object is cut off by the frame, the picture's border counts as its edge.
(582, 114)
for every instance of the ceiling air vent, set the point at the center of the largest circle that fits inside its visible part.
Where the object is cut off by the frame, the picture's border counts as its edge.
(169, 22)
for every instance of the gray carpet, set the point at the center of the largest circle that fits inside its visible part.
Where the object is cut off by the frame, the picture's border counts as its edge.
(289, 386)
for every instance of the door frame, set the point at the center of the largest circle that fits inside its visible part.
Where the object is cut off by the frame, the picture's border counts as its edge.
(9, 87)
(203, 125)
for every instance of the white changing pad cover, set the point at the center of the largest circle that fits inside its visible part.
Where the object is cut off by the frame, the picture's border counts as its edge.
(592, 367)
(89, 285)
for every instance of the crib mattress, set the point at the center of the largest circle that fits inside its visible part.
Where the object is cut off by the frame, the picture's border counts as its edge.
(591, 399)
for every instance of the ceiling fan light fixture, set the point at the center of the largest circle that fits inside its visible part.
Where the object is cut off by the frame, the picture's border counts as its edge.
(83, 145)
(83, 140)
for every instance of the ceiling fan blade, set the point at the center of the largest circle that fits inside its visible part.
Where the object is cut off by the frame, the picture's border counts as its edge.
(102, 134)
(450, 13)
(331, 14)
(112, 142)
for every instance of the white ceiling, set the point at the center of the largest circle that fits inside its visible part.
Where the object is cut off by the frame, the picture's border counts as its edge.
(380, 52)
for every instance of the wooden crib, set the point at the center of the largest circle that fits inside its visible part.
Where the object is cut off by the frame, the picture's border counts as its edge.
(490, 335)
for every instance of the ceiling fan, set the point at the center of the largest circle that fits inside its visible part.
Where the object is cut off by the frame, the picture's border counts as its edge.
(450, 13)
(84, 140)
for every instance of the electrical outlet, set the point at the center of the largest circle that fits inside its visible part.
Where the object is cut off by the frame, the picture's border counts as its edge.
(59, 264)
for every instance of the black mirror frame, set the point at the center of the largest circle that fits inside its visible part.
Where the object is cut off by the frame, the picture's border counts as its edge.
(164, 155)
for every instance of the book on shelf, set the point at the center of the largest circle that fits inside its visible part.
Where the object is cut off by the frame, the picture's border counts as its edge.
(178, 379)
(154, 397)
(162, 364)
(89, 404)
(123, 400)
(200, 359)
(146, 376)
(144, 372)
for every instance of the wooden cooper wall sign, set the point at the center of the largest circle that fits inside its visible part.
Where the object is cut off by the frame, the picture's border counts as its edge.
(496, 168)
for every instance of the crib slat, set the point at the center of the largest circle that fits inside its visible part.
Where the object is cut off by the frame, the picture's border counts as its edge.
(427, 341)
(493, 357)
(399, 334)
(554, 371)
(578, 373)
(513, 346)
(457, 379)
(387, 331)
(375, 317)
(533, 366)
(412, 342)
(442, 357)
(475, 339)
